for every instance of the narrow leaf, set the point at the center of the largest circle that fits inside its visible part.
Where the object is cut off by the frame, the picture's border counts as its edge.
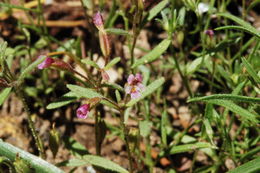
(245, 114)
(4, 94)
(73, 162)
(104, 163)
(249, 167)
(237, 20)
(193, 66)
(111, 63)
(154, 54)
(226, 97)
(74, 147)
(246, 26)
(189, 147)
(241, 28)
(64, 100)
(89, 93)
(83, 92)
(163, 127)
(157, 9)
(30, 68)
(89, 62)
(251, 70)
(148, 90)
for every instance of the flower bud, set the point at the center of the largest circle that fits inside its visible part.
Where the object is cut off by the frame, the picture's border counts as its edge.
(104, 75)
(209, 32)
(104, 43)
(62, 65)
(98, 21)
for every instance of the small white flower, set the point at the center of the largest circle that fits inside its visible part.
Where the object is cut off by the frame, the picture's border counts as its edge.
(203, 7)
(90, 169)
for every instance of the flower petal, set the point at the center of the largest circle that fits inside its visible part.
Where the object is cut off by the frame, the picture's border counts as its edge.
(83, 110)
(135, 95)
(140, 87)
(128, 89)
(138, 77)
(130, 79)
(46, 63)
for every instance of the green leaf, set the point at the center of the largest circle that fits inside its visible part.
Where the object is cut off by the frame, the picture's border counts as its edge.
(89, 93)
(104, 163)
(251, 70)
(118, 96)
(226, 97)
(189, 147)
(245, 114)
(163, 127)
(74, 147)
(148, 90)
(193, 66)
(241, 28)
(145, 128)
(83, 92)
(73, 162)
(117, 31)
(181, 16)
(112, 62)
(4, 94)
(246, 26)
(35, 162)
(89, 62)
(30, 68)
(154, 54)
(157, 9)
(64, 100)
(249, 167)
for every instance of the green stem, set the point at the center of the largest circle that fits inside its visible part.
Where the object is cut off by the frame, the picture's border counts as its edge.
(183, 77)
(36, 137)
(126, 138)
(97, 134)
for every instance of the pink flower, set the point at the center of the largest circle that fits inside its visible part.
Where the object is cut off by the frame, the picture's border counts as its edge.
(83, 111)
(134, 85)
(46, 63)
(209, 32)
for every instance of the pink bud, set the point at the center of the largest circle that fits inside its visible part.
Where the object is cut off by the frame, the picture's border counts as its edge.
(209, 32)
(104, 75)
(98, 20)
(62, 65)
(83, 111)
(46, 63)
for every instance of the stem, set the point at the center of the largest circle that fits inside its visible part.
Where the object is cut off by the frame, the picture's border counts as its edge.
(184, 78)
(35, 135)
(126, 138)
(97, 134)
